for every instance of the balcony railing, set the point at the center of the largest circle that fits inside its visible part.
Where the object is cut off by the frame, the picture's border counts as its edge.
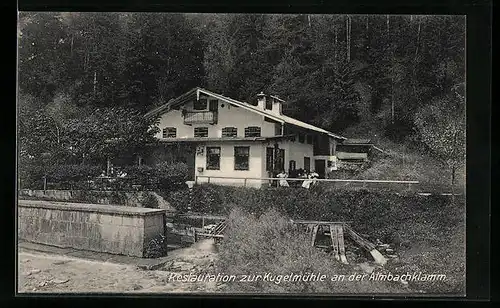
(200, 117)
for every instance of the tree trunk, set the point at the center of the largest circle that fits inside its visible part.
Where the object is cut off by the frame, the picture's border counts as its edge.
(418, 40)
(387, 22)
(453, 169)
(414, 79)
(108, 166)
(348, 36)
(71, 50)
(95, 81)
(336, 44)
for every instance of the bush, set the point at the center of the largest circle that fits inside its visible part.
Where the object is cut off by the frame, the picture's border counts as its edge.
(167, 177)
(156, 248)
(268, 243)
(64, 176)
(149, 201)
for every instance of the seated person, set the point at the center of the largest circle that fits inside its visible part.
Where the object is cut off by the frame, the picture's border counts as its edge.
(282, 182)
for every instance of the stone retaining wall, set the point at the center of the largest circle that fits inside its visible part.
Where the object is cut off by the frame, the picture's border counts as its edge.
(103, 228)
(127, 198)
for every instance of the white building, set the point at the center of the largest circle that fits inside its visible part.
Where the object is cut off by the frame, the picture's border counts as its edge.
(221, 137)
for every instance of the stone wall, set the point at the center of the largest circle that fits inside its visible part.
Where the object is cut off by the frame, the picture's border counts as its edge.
(102, 228)
(135, 199)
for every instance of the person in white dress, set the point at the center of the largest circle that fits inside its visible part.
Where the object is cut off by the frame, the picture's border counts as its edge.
(307, 182)
(282, 175)
(313, 176)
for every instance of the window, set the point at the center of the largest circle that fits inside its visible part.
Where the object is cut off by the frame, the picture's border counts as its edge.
(280, 160)
(213, 158)
(241, 158)
(273, 157)
(201, 131)
(213, 105)
(229, 132)
(269, 159)
(169, 132)
(252, 131)
(307, 163)
(278, 129)
(301, 138)
(309, 139)
(200, 104)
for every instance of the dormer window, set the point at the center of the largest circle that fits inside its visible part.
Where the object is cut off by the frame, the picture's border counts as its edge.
(309, 139)
(169, 132)
(252, 131)
(229, 132)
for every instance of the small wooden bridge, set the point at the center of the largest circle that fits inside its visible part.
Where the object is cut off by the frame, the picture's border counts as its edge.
(336, 232)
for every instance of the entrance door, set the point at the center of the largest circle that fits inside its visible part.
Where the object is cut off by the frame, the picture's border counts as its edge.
(319, 167)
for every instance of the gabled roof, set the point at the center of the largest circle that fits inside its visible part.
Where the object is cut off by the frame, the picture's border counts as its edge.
(357, 141)
(195, 92)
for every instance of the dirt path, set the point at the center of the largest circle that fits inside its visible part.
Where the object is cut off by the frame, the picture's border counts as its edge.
(41, 272)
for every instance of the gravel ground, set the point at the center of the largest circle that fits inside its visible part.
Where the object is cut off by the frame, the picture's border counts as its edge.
(41, 272)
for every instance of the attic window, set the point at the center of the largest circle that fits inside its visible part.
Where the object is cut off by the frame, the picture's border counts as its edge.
(301, 138)
(309, 139)
(200, 104)
(169, 132)
(252, 131)
(229, 132)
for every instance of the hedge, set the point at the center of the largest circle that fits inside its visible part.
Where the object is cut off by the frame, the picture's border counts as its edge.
(162, 176)
(358, 206)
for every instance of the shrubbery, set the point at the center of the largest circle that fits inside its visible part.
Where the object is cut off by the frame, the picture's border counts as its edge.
(268, 243)
(165, 177)
(426, 231)
(156, 248)
(63, 176)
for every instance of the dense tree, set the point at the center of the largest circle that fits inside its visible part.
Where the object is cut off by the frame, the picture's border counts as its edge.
(441, 126)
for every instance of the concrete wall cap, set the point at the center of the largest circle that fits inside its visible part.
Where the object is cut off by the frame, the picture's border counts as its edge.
(93, 208)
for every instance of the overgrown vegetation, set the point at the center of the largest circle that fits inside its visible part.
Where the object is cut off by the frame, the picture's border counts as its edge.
(257, 244)
(157, 247)
(166, 177)
(113, 197)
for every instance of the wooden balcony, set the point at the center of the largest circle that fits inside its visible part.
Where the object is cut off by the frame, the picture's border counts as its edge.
(200, 117)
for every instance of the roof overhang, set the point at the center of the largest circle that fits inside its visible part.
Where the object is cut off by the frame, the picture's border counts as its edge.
(196, 92)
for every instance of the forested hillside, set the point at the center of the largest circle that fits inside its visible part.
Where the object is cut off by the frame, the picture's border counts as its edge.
(399, 76)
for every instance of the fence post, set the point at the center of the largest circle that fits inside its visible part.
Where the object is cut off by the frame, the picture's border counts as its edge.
(196, 180)
(245, 182)
(208, 180)
(44, 184)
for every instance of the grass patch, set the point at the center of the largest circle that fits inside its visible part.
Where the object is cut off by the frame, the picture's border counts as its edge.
(269, 244)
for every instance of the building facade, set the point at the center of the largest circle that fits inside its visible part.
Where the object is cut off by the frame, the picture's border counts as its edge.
(226, 141)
